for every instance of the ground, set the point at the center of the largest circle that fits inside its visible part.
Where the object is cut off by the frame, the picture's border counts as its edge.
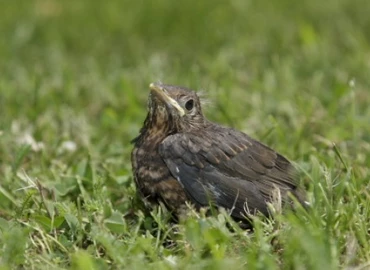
(74, 79)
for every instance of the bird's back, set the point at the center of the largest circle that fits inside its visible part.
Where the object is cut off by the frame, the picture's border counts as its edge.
(230, 169)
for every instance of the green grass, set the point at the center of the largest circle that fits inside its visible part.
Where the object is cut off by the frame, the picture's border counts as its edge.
(74, 79)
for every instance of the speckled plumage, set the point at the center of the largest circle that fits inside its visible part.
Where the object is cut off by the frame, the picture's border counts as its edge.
(180, 156)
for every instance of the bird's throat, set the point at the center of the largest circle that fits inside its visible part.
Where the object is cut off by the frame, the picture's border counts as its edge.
(157, 126)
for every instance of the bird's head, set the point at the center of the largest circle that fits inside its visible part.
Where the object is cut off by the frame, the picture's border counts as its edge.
(176, 107)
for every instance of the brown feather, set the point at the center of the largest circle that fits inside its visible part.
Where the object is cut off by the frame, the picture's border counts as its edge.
(180, 156)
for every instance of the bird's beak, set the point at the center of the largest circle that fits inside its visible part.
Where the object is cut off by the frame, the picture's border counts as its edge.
(162, 94)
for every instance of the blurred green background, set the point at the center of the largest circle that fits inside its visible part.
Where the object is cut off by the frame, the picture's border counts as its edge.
(74, 79)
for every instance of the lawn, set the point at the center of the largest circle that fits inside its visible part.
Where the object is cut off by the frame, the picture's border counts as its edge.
(74, 79)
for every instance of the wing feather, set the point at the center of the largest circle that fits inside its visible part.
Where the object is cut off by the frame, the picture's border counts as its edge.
(228, 168)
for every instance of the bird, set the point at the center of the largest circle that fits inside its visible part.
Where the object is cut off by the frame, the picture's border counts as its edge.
(180, 158)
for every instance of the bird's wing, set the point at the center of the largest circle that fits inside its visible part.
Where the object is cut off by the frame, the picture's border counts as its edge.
(227, 167)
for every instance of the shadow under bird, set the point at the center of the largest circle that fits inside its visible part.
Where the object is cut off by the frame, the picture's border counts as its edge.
(180, 156)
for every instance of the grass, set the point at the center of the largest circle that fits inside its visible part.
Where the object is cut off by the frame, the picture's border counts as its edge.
(73, 87)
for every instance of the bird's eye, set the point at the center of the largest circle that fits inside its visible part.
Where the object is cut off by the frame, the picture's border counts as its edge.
(189, 104)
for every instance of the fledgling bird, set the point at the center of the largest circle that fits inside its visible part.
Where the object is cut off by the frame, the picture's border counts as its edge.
(180, 156)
